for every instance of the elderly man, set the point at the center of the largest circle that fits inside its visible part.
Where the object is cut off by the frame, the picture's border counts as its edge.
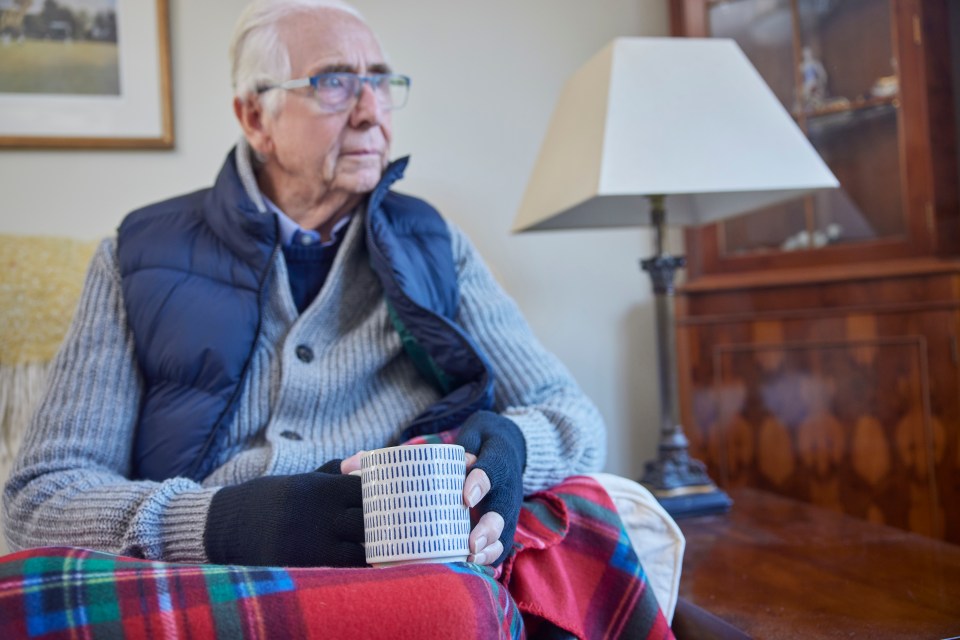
(235, 346)
(233, 351)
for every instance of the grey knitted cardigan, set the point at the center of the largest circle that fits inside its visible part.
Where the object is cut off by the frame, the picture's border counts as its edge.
(70, 484)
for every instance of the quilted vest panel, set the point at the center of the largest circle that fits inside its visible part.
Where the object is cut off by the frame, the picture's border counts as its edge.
(194, 272)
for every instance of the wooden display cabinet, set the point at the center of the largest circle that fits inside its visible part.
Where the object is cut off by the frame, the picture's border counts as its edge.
(818, 340)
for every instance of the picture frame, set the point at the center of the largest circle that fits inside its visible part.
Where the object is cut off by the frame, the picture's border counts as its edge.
(85, 74)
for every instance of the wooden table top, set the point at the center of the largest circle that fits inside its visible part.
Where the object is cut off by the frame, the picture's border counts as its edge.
(778, 568)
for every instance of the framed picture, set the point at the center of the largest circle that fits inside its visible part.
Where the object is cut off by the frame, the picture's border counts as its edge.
(85, 74)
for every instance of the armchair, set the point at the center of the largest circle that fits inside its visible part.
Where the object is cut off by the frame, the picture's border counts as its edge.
(39, 288)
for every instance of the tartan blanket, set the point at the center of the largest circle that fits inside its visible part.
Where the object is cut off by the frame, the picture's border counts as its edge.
(59, 592)
(574, 568)
(573, 573)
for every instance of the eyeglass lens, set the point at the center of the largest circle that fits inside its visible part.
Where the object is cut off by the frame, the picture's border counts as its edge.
(337, 90)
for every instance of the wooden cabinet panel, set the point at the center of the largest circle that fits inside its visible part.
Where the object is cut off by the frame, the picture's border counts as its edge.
(848, 402)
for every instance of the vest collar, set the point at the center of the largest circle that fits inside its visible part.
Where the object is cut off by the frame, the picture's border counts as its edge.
(391, 174)
(237, 221)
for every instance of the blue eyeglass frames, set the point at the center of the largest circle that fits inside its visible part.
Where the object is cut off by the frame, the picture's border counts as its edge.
(337, 91)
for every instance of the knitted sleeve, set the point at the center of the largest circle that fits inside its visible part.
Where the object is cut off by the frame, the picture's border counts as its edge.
(564, 431)
(70, 484)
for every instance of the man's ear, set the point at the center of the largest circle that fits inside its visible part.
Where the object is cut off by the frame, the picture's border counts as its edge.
(250, 114)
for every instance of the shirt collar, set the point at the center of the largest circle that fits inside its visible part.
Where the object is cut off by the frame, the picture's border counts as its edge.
(292, 233)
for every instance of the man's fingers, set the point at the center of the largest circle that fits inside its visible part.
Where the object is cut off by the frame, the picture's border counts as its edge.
(488, 555)
(352, 463)
(475, 487)
(486, 533)
(471, 460)
(485, 542)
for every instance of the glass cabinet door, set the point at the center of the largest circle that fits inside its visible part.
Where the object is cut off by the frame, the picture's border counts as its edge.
(833, 65)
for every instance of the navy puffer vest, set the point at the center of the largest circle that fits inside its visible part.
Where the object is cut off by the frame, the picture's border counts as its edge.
(194, 273)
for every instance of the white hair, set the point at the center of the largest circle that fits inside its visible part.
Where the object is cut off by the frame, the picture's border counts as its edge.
(258, 55)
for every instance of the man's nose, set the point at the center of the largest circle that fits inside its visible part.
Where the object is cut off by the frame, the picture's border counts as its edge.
(367, 110)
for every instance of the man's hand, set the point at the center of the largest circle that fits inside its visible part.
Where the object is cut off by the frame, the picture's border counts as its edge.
(494, 484)
(304, 520)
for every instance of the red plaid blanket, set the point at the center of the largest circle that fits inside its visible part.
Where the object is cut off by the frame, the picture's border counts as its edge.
(574, 574)
(75, 593)
(576, 569)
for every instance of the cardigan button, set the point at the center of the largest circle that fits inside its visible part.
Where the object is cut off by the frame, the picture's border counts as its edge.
(291, 435)
(304, 353)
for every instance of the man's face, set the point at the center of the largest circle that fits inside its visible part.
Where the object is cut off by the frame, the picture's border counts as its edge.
(320, 153)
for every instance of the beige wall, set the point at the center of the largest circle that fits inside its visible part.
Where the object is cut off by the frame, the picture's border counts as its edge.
(485, 77)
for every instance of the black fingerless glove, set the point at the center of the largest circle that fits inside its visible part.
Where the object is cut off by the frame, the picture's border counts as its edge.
(502, 453)
(304, 520)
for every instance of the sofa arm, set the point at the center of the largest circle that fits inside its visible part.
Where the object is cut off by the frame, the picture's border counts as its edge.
(656, 538)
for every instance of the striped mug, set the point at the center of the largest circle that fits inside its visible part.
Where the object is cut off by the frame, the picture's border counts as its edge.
(413, 508)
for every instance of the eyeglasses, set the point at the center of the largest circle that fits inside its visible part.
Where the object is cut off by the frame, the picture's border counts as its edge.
(337, 92)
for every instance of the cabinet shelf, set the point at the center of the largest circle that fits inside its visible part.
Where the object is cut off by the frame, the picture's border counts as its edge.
(828, 120)
(858, 104)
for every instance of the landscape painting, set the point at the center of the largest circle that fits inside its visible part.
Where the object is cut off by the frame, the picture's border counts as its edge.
(59, 46)
(84, 73)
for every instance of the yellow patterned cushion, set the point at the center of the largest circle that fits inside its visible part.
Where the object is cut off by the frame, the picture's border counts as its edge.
(40, 283)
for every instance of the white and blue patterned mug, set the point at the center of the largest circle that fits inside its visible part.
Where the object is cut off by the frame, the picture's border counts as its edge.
(413, 508)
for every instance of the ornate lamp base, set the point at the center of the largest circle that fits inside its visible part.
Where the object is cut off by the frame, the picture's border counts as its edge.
(696, 504)
(680, 483)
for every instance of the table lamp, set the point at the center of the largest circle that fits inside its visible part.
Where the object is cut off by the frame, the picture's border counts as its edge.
(685, 125)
